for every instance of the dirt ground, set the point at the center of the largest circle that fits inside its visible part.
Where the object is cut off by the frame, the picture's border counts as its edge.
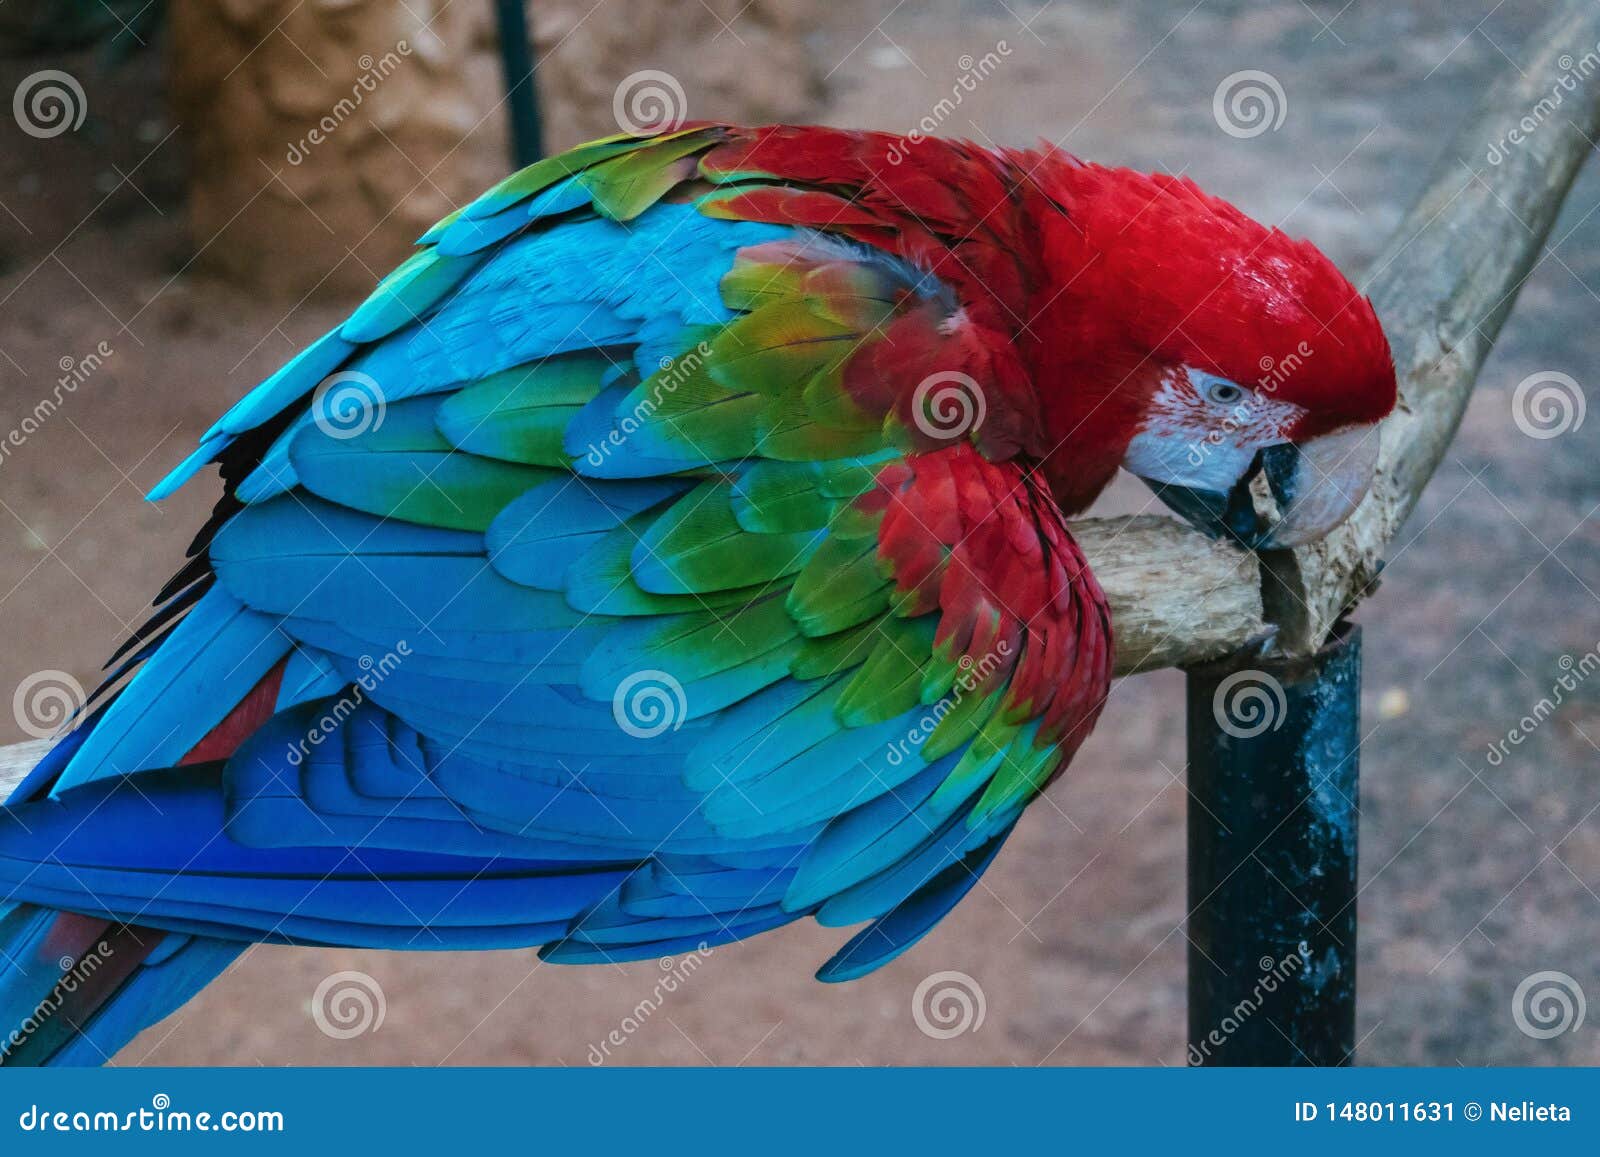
(1476, 874)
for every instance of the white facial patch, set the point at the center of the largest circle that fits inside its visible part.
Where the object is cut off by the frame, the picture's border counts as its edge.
(1203, 431)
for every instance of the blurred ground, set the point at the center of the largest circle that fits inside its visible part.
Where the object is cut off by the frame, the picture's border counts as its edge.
(1474, 875)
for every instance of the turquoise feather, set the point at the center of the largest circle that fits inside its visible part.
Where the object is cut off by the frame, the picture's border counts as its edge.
(403, 467)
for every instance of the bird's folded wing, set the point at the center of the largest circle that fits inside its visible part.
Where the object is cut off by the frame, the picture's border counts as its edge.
(651, 526)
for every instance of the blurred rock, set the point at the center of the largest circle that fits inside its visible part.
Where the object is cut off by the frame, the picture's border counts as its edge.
(325, 137)
(1393, 703)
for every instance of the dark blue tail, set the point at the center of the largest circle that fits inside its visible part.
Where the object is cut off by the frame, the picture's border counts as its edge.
(76, 989)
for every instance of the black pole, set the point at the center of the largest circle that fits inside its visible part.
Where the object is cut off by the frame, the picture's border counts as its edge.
(1273, 768)
(522, 91)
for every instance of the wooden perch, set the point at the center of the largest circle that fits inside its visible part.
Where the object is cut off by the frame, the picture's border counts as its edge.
(1177, 597)
(17, 761)
(1442, 287)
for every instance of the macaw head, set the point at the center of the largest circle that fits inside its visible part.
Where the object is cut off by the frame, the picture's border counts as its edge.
(1220, 350)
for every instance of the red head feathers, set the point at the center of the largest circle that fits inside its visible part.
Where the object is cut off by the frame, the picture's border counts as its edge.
(1118, 319)
(1201, 284)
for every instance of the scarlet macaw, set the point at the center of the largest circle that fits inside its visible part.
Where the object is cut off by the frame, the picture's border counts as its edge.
(584, 587)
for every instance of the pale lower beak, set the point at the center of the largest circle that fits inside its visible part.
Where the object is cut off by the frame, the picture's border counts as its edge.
(1317, 486)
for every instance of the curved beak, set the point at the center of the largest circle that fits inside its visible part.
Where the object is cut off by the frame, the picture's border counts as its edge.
(1211, 512)
(1317, 486)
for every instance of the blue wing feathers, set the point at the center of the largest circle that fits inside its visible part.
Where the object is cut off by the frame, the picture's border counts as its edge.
(892, 935)
(460, 591)
(212, 659)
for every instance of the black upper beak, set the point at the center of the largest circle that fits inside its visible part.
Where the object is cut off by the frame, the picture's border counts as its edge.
(1317, 485)
(1231, 515)
(1281, 464)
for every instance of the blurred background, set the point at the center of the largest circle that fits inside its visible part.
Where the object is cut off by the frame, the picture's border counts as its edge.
(192, 189)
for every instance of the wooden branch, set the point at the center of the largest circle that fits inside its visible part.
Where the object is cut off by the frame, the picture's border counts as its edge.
(1177, 598)
(1443, 288)
(17, 761)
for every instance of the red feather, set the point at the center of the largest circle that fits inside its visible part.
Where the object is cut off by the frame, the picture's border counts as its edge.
(252, 711)
(1013, 590)
(1077, 285)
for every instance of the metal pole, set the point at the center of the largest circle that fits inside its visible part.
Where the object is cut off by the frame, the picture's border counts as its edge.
(1273, 768)
(522, 91)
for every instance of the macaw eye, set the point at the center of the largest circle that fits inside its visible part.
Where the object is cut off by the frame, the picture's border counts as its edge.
(1223, 393)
